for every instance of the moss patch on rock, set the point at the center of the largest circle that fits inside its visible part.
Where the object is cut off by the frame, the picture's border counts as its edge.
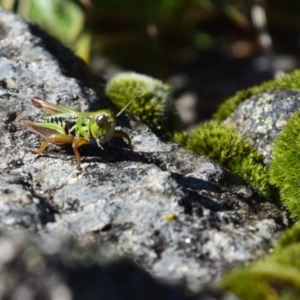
(225, 145)
(153, 105)
(284, 169)
(222, 143)
(181, 138)
(289, 81)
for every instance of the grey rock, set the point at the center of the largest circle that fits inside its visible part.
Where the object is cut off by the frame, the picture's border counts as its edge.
(37, 269)
(20, 208)
(261, 117)
(182, 218)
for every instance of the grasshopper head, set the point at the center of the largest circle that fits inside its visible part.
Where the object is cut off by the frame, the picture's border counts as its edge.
(102, 125)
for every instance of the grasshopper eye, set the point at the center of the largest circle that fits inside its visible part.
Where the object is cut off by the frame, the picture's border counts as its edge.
(101, 120)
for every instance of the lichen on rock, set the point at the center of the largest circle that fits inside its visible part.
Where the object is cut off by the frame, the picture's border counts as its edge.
(288, 82)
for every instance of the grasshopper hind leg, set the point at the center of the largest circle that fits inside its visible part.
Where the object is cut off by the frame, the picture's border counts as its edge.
(56, 138)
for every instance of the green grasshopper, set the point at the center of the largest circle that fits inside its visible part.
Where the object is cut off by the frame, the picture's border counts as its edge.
(65, 125)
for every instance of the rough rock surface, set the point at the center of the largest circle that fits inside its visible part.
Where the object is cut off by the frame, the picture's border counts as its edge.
(180, 217)
(57, 269)
(261, 117)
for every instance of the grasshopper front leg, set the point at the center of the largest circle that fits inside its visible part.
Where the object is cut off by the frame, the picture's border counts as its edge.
(76, 144)
(123, 134)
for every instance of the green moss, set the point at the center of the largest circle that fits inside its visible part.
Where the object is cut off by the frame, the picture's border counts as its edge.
(269, 279)
(245, 285)
(288, 256)
(181, 138)
(225, 145)
(153, 105)
(289, 237)
(289, 81)
(222, 143)
(276, 277)
(284, 169)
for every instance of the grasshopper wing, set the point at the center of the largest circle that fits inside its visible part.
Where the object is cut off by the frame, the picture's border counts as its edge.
(42, 129)
(53, 108)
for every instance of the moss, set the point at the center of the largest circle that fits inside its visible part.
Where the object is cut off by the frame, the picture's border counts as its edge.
(222, 143)
(288, 256)
(181, 138)
(284, 169)
(276, 277)
(289, 237)
(225, 145)
(153, 106)
(290, 81)
(245, 285)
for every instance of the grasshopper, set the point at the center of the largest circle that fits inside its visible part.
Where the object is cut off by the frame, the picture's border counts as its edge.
(65, 125)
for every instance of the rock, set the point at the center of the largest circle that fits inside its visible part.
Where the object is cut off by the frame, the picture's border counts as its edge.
(261, 117)
(21, 208)
(180, 217)
(63, 270)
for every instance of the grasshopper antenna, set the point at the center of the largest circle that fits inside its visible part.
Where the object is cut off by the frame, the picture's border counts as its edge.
(122, 110)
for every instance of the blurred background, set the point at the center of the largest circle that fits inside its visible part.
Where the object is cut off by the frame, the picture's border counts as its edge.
(205, 49)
